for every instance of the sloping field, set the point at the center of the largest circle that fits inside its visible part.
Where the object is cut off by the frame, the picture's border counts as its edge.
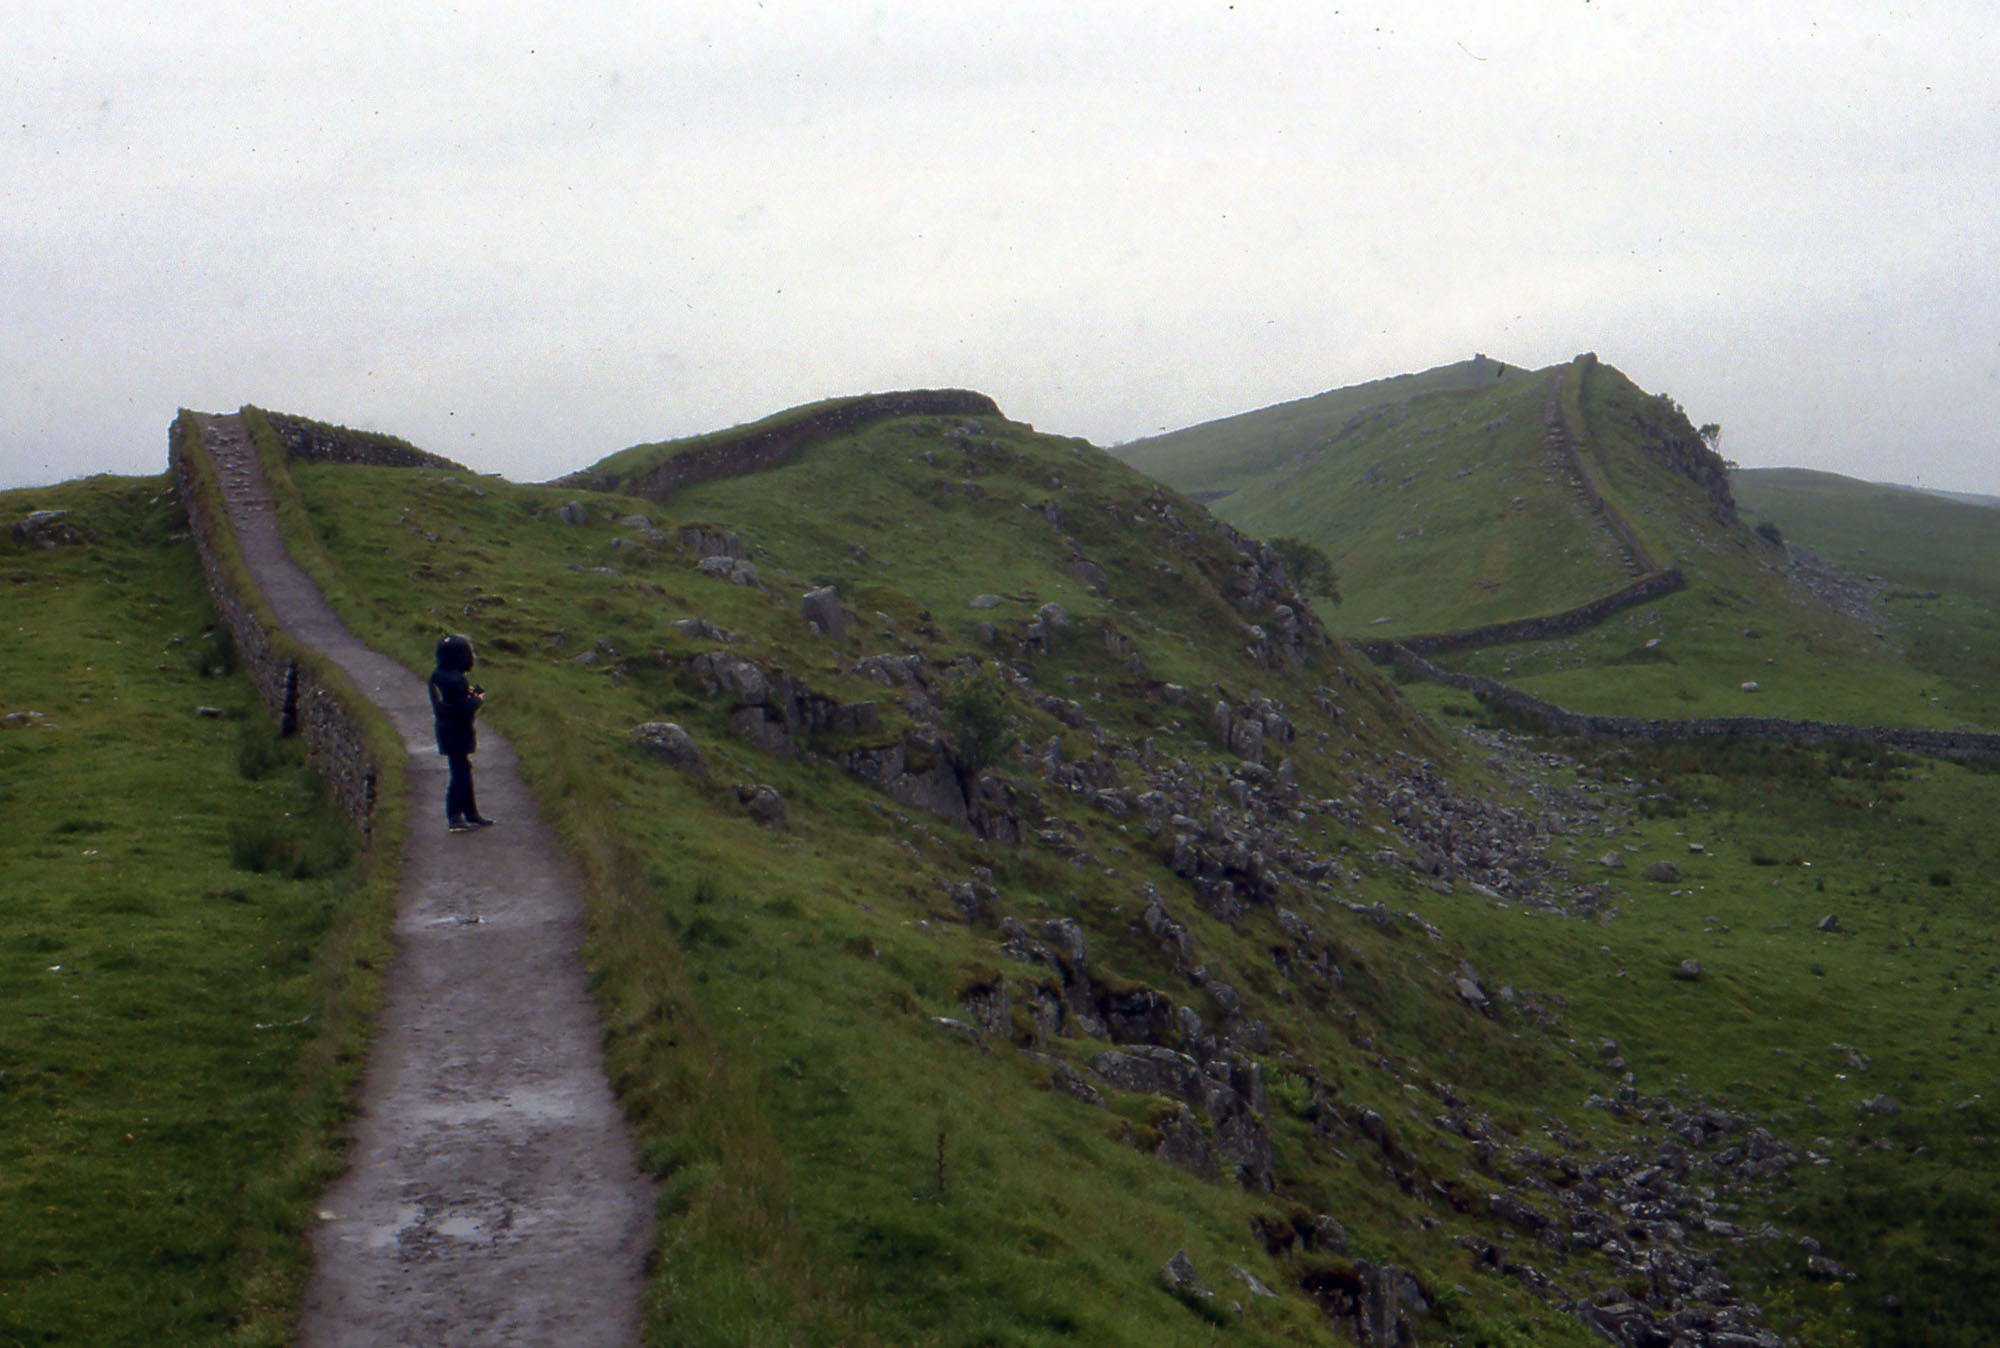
(1441, 508)
(1915, 539)
(1229, 453)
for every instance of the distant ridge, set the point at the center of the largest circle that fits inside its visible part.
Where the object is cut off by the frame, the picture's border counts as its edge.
(655, 471)
(1260, 441)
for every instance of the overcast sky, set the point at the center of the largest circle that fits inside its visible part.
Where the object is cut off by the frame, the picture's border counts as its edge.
(528, 234)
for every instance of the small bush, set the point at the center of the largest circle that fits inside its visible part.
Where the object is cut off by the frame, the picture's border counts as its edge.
(978, 722)
(1941, 879)
(1770, 534)
(1310, 569)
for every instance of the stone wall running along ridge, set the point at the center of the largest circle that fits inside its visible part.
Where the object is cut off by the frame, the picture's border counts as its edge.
(1961, 745)
(317, 442)
(295, 693)
(730, 454)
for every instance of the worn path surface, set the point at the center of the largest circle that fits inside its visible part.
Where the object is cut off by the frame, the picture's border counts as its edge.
(493, 1196)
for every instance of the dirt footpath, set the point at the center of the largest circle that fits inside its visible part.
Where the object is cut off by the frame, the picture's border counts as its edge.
(493, 1195)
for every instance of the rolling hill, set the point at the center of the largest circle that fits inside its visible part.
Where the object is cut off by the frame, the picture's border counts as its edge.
(1016, 918)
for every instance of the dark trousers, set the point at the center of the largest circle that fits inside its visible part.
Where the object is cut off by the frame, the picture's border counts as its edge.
(458, 802)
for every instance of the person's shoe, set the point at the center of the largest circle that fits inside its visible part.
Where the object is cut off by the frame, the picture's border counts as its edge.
(459, 826)
(480, 821)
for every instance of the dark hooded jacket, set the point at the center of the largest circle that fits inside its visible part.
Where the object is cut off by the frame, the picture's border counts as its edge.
(453, 703)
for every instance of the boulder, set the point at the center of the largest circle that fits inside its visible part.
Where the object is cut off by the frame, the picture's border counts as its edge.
(823, 612)
(701, 541)
(1177, 1275)
(985, 601)
(1689, 971)
(1665, 872)
(762, 803)
(673, 744)
(573, 513)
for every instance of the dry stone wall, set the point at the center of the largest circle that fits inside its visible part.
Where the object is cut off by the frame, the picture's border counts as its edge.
(317, 442)
(1534, 629)
(298, 698)
(730, 455)
(1962, 745)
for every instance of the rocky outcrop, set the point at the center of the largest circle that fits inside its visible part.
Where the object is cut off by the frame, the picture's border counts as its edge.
(1227, 1088)
(46, 529)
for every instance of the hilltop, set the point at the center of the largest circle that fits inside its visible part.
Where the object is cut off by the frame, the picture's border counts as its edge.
(1018, 916)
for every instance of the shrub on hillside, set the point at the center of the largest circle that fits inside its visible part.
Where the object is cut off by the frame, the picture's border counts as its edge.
(979, 725)
(1310, 569)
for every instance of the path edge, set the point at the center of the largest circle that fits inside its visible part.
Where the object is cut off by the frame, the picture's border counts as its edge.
(353, 746)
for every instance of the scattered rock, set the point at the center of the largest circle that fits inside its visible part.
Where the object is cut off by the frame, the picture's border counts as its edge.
(1689, 971)
(823, 612)
(1750, 687)
(762, 803)
(701, 541)
(1177, 1275)
(1884, 1105)
(672, 743)
(209, 713)
(1613, 861)
(1664, 872)
(45, 529)
(1831, 923)
(986, 601)
(573, 513)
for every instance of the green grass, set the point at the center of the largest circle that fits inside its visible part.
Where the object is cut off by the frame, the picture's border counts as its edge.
(770, 998)
(1936, 562)
(181, 1022)
(1231, 453)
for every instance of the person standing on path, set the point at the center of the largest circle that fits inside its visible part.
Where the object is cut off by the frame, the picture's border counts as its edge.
(455, 700)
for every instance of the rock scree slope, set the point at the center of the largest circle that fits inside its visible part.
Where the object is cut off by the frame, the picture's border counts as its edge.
(493, 1194)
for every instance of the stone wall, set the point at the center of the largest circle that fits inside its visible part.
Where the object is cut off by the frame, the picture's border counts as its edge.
(317, 442)
(730, 454)
(294, 687)
(1533, 629)
(1962, 745)
(1561, 438)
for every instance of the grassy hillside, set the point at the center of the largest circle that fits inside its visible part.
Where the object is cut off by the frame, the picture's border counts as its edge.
(847, 1164)
(1391, 989)
(1915, 539)
(1448, 510)
(182, 907)
(1932, 564)
(1217, 457)
(1744, 618)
